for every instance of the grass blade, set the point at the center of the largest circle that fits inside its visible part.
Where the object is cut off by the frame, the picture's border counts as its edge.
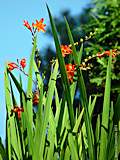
(83, 97)
(73, 148)
(105, 114)
(11, 122)
(41, 138)
(62, 70)
(117, 110)
(29, 88)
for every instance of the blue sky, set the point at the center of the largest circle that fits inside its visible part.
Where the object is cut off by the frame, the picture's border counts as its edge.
(15, 40)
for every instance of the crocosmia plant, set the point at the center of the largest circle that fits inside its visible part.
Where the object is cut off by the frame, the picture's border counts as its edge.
(48, 124)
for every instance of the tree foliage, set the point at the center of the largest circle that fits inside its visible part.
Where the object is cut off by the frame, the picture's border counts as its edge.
(102, 16)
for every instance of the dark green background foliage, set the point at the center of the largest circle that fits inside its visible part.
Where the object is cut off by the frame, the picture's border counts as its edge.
(103, 16)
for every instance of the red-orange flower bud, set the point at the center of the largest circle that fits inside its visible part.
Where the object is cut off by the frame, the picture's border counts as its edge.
(23, 63)
(107, 53)
(35, 98)
(100, 55)
(27, 25)
(17, 110)
(12, 66)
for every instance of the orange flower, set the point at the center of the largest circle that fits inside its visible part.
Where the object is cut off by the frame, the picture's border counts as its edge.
(65, 50)
(23, 63)
(27, 25)
(113, 53)
(39, 25)
(70, 68)
(107, 53)
(17, 110)
(12, 66)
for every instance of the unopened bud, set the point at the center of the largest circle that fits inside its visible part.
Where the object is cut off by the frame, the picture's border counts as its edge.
(81, 39)
(91, 33)
(96, 29)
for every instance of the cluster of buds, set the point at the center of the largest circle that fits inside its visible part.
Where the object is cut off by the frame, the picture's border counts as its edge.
(38, 26)
(17, 110)
(91, 34)
(12, 65)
